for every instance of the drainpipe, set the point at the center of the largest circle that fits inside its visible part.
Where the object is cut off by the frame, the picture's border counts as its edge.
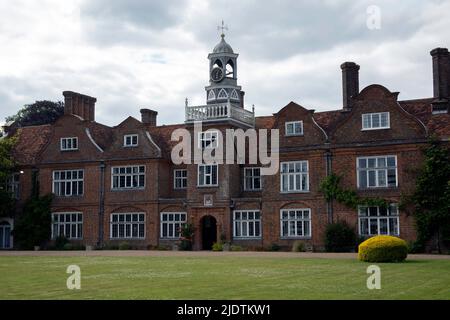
(101, 205)
(328, 167)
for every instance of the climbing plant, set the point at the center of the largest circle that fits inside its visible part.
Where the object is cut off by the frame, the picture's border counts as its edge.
(332, 190)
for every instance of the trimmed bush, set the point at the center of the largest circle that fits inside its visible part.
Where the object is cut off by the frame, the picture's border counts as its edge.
(61, 242)
(339, 237)
(383, 249)
(185, 245)
(274, 247)
(217, 246)
(124, 246)
(236, 248)
(298, 246)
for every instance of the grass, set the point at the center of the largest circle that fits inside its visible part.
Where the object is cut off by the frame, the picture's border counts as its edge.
(219, 278)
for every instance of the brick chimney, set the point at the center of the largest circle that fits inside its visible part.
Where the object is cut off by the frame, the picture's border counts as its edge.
(350, 83)
(80, 105)
(441, 79)
(149, 117)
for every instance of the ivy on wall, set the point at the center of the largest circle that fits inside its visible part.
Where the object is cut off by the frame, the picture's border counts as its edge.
(332, 190)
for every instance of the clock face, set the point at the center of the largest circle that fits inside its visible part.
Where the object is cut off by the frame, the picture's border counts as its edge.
(216, 74)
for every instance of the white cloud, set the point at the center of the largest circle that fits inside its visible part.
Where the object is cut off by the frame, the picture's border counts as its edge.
(153, 53)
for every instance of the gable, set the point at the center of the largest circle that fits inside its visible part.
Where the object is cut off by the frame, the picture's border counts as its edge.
(313, 134)
(377, 99)
(70, 126)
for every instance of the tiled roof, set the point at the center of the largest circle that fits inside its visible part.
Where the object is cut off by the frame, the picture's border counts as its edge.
(162, 137)
(102, 135)
(31, 141)
(438, 124)
(265, 122)
(328, 120)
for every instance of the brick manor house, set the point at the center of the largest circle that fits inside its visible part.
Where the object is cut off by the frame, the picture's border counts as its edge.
(116, 184)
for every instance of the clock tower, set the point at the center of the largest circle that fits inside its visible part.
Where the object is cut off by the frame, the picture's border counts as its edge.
(223, 76)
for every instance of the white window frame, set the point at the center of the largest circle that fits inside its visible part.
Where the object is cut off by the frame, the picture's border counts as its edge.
(293, 124)
(173, 226)
(293, 234)
(377, 172)
(182, 178)
(7, 224)
(252, 177)
(378, 219)
(209, 175)
(66, 181)
(77, 224)
(131, 138)
(127, 225)
(297, 175)
(64, 143)
(13, 185)
(371, 116)
(208, 139)
(247, 222)
(127, 175)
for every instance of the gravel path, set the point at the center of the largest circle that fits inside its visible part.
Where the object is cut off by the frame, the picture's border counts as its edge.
(136, 253)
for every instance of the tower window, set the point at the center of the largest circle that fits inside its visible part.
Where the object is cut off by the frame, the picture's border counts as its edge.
(230, 69)
(222, 94)
(211, 95)
(234, 95)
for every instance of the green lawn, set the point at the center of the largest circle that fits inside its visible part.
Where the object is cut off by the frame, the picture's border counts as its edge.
(219, 278)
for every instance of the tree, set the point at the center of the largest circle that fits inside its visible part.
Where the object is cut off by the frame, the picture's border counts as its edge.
(431, 198)
(7, 166)
(33, 227)
(38, 113)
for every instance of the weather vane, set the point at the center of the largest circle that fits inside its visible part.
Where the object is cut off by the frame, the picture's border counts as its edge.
(223, 27)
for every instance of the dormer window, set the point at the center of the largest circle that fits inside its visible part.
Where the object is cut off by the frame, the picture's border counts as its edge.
(375, 121)
(69, 144)
(130, 140)
(294, 128)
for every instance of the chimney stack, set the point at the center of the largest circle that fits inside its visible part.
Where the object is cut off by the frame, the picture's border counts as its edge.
(441, 79)
(80, 105)
(242, 99)
(149, 117)
(350, 83)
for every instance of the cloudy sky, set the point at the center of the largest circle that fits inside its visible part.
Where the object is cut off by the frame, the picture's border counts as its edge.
(135, 53)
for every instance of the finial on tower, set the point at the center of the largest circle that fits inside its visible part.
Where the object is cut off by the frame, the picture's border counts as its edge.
(222, 28)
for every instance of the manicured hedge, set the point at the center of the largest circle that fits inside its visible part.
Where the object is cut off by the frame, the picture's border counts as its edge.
(383, 249)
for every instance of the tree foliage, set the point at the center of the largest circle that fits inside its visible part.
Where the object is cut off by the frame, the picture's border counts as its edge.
(7, 166)
(33, 227)
(339, 237)
(431, 198)
(38, 113)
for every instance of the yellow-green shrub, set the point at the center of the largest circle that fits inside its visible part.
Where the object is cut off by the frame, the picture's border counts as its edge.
(383, 249)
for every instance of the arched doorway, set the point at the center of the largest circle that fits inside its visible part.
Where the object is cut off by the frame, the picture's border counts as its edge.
(5, 235)
(209, 232)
